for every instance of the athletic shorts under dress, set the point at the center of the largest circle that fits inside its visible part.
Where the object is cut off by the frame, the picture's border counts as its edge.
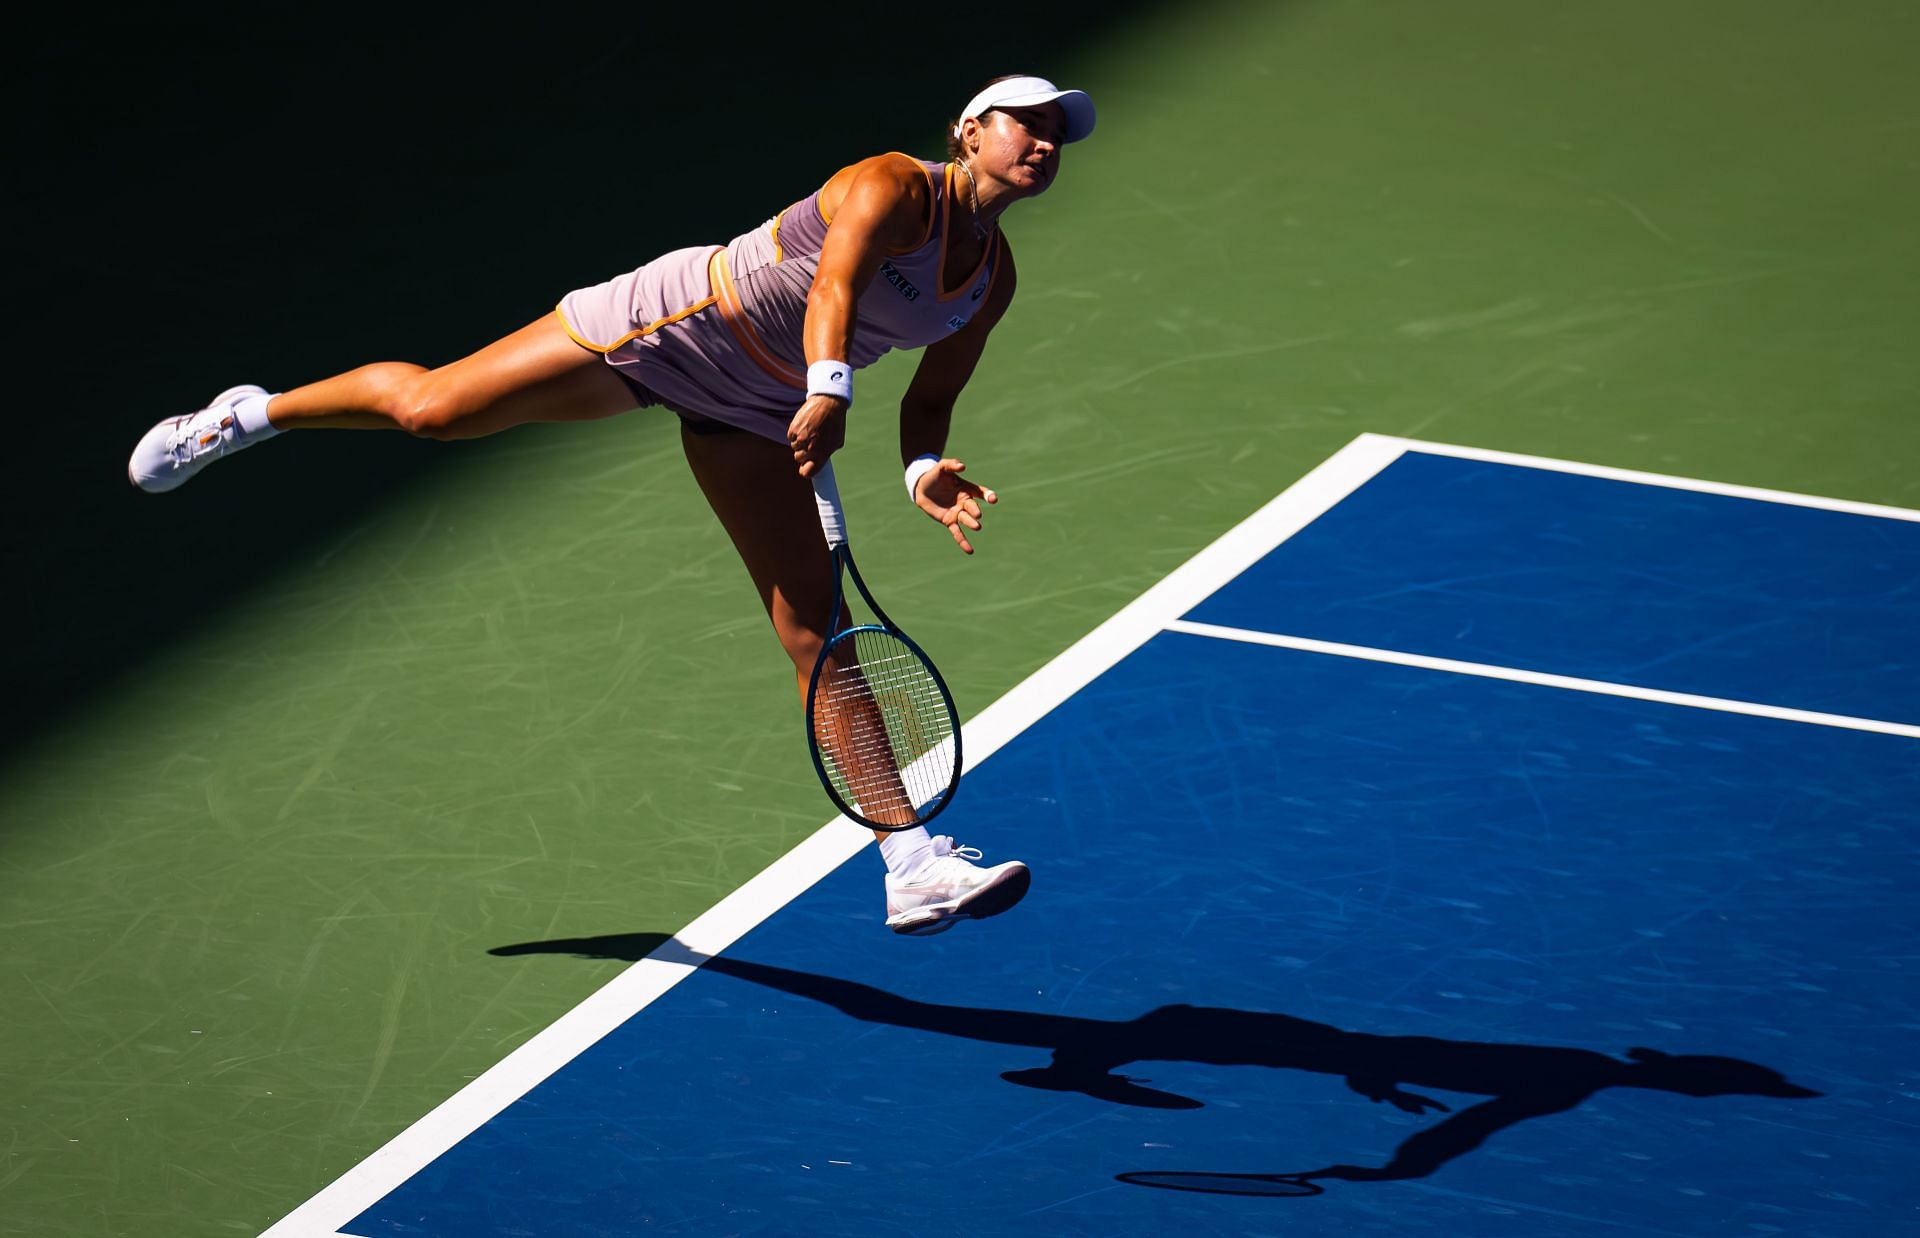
(715, 331)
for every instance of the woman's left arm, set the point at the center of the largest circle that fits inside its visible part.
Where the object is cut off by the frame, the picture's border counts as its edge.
(926, 412)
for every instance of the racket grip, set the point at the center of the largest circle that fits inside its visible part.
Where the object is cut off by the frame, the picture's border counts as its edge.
(826, 497)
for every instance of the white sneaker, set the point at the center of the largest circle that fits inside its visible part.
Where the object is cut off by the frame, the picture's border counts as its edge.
(179, 447)
(949, 888)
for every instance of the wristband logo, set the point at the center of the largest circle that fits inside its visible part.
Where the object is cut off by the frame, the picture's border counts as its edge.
(899, 281)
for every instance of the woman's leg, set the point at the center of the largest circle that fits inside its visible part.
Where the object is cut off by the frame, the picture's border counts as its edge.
(767, 509)
(536, 374)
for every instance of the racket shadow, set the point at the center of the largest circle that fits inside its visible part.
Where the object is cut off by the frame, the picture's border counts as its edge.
(1266, 1185)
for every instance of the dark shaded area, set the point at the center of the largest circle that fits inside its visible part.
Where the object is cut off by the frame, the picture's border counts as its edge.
(274, 195)
(1521, 1081)
(628, 947)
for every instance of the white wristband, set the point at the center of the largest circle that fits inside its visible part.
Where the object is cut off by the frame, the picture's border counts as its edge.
(834, 378)
(921, 466)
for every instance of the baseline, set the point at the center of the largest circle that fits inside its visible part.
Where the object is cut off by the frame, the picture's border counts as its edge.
(1637, 477)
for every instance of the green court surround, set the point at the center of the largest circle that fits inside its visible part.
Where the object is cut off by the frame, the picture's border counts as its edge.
(459, 697)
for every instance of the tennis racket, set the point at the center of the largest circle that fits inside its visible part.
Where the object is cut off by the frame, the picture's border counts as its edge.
(880, 721)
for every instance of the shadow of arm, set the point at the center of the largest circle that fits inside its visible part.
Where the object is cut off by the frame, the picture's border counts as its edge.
(1458, 1135)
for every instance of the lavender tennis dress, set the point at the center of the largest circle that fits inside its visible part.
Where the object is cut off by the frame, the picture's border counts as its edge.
(715, 331)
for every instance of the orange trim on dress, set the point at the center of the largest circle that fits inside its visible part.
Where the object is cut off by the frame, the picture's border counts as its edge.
(926, 235)
(940, 272)
(820, 207)
(997, 249)
(560, 312)
(727, 297)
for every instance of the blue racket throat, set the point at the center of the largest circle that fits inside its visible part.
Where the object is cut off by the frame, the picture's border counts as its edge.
(881, 724)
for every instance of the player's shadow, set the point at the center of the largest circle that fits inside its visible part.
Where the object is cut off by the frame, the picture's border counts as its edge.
(1521, 1081)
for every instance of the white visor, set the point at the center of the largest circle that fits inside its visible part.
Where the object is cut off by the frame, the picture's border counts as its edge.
(1031, 92)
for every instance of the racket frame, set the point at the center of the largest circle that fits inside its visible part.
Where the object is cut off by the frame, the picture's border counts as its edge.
(833, 525)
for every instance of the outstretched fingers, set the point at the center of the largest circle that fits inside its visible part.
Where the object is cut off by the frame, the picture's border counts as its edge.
(953, 500)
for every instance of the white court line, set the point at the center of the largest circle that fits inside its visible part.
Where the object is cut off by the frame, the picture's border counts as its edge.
(1598, 686)
(826, 849)
(1787, 497)
(1159, 608)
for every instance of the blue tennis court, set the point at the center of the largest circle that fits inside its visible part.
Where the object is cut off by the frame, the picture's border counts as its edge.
(1466, 845)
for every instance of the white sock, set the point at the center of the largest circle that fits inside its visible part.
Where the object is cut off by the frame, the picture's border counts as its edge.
(906, 850)
(251, 414)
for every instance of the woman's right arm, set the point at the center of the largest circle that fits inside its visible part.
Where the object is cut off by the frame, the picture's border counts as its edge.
(881, 208)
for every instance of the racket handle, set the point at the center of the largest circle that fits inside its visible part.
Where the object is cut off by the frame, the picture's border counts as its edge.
(826, 497)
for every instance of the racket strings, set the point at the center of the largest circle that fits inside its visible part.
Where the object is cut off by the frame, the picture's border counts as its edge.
(884, 725)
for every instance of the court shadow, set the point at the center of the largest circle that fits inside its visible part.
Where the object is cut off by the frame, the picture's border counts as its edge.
(632, 947)
(1521, 1081)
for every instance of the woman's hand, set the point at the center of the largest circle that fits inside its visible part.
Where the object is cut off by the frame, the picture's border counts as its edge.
(817, 431)
(952, 500)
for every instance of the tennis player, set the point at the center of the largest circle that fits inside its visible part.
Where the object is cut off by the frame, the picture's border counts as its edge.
(754, 345)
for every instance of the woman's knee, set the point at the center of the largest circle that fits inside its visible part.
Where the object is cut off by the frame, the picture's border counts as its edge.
(428, 407)
(403, 394)
(802, 642)
(418, 400)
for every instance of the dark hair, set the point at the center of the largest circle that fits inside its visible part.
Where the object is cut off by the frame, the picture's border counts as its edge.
(954, 149)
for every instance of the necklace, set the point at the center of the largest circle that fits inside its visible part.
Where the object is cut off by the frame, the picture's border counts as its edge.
(979, 229)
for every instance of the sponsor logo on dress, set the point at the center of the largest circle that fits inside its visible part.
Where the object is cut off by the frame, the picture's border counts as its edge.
(899, 281)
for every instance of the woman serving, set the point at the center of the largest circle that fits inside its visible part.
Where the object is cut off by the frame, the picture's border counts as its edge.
(754, 345)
